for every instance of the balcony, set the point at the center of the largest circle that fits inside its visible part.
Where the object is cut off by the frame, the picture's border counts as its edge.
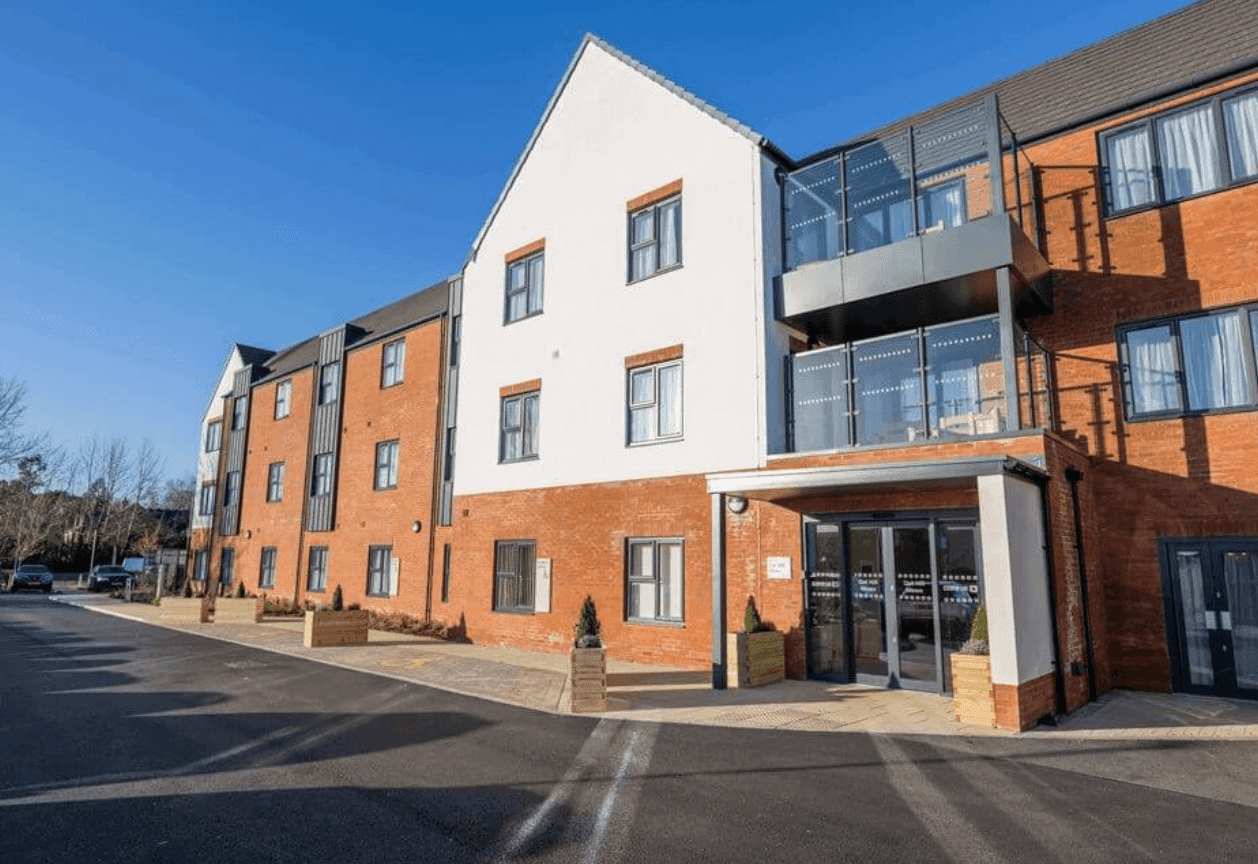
(910, 230)
(943, 382)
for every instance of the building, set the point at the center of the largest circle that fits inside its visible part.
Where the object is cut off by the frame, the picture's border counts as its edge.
(1000, 353)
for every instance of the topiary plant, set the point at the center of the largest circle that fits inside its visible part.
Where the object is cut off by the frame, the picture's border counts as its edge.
(977, 643)
(588, 630)
(751, 617)
(240, 589)
(338, 601)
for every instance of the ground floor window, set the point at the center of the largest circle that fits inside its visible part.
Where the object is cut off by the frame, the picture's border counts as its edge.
(378, 561)
(228, 569)
(317, 573)
(266, 570)
(513, 575)
(201, 565)
(655, 586)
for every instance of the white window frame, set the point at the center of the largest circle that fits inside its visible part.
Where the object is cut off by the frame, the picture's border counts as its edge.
(654, 403)
(386, 465)
(655, 544)
(283, 398)
(275, 482)
(392, 363)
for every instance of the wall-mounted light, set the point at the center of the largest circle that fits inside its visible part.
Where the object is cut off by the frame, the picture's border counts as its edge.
(415, 526)
(736, 504)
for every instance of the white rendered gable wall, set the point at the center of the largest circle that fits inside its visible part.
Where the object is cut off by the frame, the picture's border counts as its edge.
(207, 463)
(613, 135)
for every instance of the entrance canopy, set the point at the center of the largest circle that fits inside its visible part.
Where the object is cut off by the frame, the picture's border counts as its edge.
(796, 482)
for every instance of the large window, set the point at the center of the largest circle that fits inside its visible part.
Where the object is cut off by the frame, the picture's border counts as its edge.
(275, 481)
(386, 465)
(518, 439)
(321, 476)
(214, 436)
(200, 565)
(266, 570)
(1190, 364)
(317, 571)
(205, 505)
(238, 412)
(656, 586)
(524, 288)
(655, 238)
(1181, 153)
(329, 383)
(654, 409)
(393, 357)
(513, 575)
(231, 491)
(283, 398)
(378, 562)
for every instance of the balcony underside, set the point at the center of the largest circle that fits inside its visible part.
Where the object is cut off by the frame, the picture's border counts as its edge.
(928, 279)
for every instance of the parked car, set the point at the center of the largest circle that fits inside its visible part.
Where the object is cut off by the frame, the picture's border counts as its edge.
(31, 576)
(107, 576)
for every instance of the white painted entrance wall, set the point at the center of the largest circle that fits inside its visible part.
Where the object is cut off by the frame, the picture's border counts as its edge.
(1015, 575)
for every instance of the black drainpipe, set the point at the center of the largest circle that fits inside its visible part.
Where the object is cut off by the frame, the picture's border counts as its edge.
(1073, 476)
(1059, 673)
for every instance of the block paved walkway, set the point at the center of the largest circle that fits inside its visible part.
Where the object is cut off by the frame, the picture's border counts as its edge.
(537, 680)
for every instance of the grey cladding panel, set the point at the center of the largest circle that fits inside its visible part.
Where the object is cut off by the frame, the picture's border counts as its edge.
(331, 346)
(319, 513)
(327, 424)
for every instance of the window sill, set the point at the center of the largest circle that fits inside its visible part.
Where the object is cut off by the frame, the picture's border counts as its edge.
(521, 459)
(651, 442)
(379, 596)
(1187, 415)
(384, 489)
(316, 590)
(393, 385)
(674, 268)
(651, 622)
(1157, 205)
(507, 322)
(514, 611)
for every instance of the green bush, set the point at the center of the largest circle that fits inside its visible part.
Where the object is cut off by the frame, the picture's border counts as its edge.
(588, 629)
(978, 629)
(338, 601)
(751, 617)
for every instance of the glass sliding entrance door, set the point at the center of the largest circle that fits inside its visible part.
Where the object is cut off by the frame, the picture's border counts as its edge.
(916, 624)
(868, 579)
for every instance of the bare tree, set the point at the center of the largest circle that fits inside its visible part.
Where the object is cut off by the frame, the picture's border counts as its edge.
(180, 493)
(36, 505)
(144, 470)
(14, 444)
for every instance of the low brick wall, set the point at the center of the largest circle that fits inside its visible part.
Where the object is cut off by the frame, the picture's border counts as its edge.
(238, 610)
(185, 610)
(346, 627)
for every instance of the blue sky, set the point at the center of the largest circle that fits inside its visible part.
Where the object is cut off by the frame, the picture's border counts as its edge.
(176, 176)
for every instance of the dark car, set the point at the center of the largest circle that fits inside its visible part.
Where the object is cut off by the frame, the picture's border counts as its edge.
(107, 576)
(31, 576)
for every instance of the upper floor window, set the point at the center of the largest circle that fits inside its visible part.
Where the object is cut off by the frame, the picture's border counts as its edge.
(524, 287)
(379, 559)
(1183, 152)
(393, 356)
(514, 563)
(231, 491)
(238, 412)
(654, 397)
(275, 481)
(518, 438)
(283, 398)
(329, 383)
(321, 476)
(214, 436)
(655, 235)
(1190, 364)
(266, 568)
(205, 505)
(386, 465)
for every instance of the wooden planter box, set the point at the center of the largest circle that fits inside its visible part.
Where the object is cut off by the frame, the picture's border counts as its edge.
(346, 627)
(589, 679)
(185, 610)
(973, 699)
(756, 659)
(238, 610)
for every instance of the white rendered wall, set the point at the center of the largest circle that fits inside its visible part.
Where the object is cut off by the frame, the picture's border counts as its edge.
(1015, 577)
(613, 135)
(207, 463)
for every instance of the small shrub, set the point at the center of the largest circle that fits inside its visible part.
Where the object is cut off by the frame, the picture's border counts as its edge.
(338, 600)
(588, 629)
(240, 590)
(977, 643)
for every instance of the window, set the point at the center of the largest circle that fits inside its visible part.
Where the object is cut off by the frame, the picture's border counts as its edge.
(378, 561)
(386, 465)
(656, 586)
(227, 570)
(321, 476)
(275, 481)
(513, 575)
(1183, 152)
(524, 288)
(231, 492)
(214, 436)
(329, 383)
(201, 565)
(1190, 364)
(655, 402)
(238, 412)
(519, 427)
(266, 571)
(445, 574)
(205, 506)
(655, 238)
(317, 570)
(283, 398)
(391, 362)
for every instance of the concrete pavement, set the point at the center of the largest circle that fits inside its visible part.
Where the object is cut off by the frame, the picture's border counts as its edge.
(648, 693)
